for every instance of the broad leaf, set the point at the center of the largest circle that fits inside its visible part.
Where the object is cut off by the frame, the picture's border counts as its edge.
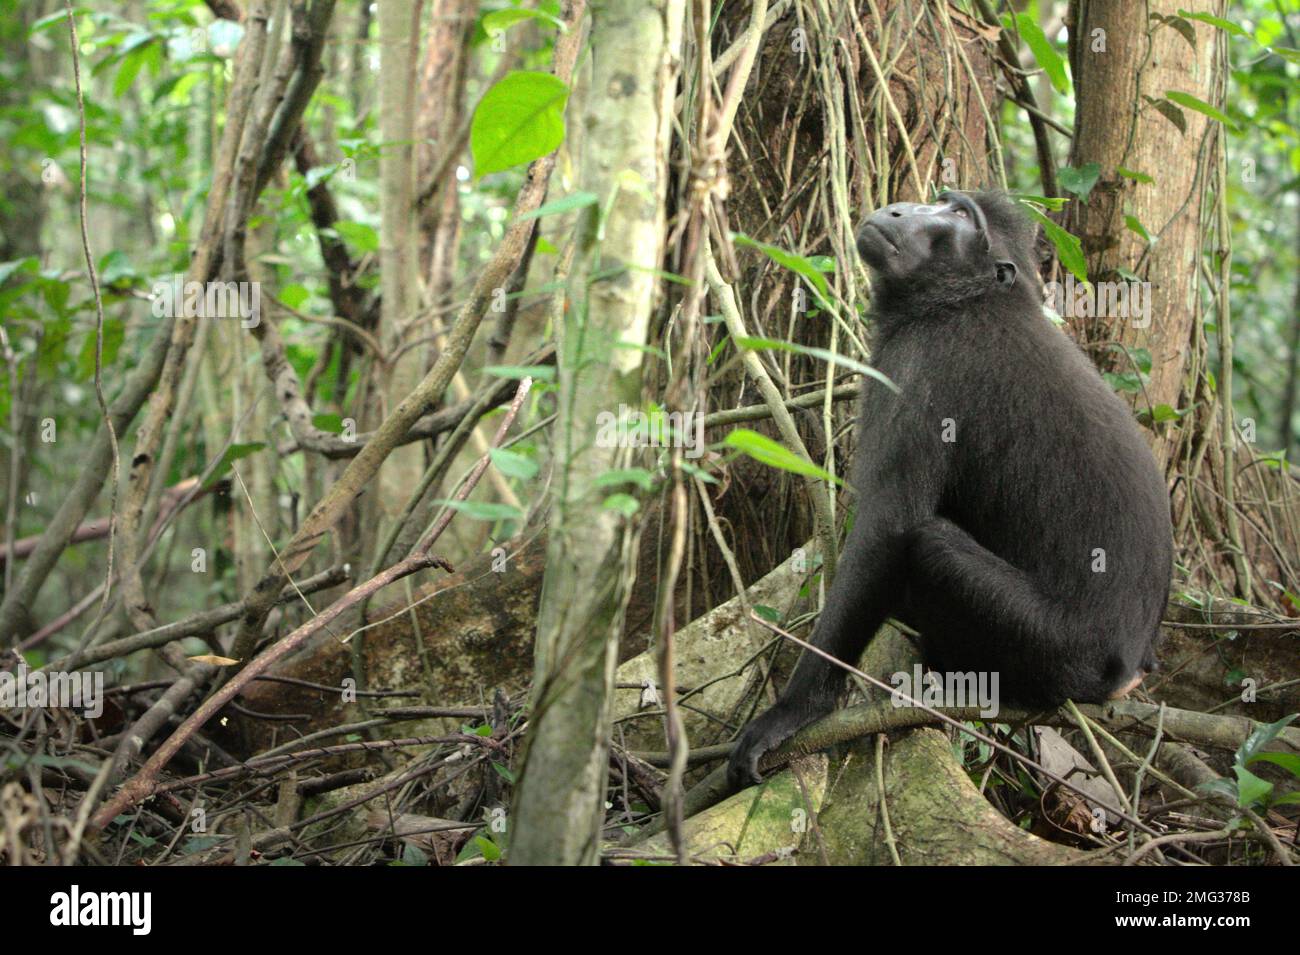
(763, 449)
(518, 120)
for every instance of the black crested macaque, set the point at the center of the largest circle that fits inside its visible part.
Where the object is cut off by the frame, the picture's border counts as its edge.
(1008, 508)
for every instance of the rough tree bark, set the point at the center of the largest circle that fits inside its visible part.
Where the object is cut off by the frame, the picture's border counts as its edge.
(1121, 53)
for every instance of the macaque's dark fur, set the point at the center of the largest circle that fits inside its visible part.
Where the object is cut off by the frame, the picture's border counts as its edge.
(985, 544)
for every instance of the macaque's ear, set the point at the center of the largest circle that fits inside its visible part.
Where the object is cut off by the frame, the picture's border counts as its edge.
(1006, 274)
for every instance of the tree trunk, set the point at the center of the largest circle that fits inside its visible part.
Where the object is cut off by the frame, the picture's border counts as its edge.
(398, 243)
(1121, 53)
(559, 805)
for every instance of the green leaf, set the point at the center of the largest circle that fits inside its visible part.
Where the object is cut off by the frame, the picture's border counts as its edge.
(775, 344)
(766, 451)
(625, 504)
(576, 201)
(294, 295)
(505, 773)
(1288, 761)
(114, 332)
(116, 268)
(333, 423)
(1261, 736)
(1214, 21)
(512, 464)
(1185, 29)
(1170, 112)
(1250, 788)
(161, 91)
(1133, 224)
(1135, 176)
(198, 844)
(499, 21)
(358, 235)
(411, 855)
(1079, 181)
(718, 349)
(488, 848)
(233, 454)
(1200, 106)
(56, 294)
(698, 473)
(485, 510)
(29, 265)
(539, 372)
(60, 16)
(770, 614)
(1044, 52)
(1050, 203)
(639, 476)
(1125, 382)
(1219, 787)
(127, 72)
(1068, 247)
(518, 120)
(792, 261)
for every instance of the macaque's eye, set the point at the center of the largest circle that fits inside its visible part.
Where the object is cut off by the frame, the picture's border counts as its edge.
(962, 212)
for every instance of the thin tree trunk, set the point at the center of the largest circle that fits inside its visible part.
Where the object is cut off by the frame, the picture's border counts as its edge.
(1286, 424)
(559, 803)
(398, 246)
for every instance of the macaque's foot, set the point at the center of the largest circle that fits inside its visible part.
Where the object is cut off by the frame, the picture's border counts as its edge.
(766, 733)
(1130, 686)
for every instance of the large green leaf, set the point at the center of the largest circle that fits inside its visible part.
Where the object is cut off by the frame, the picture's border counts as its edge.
(360, 236)
(499, 21)
(1079, 181)
(763, 449)
(1044, 52)
(1068, 247)
(518, 120)
(1189, 101)
(1214, 21)
(114, 333)
(513, 464)
(792, 261)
